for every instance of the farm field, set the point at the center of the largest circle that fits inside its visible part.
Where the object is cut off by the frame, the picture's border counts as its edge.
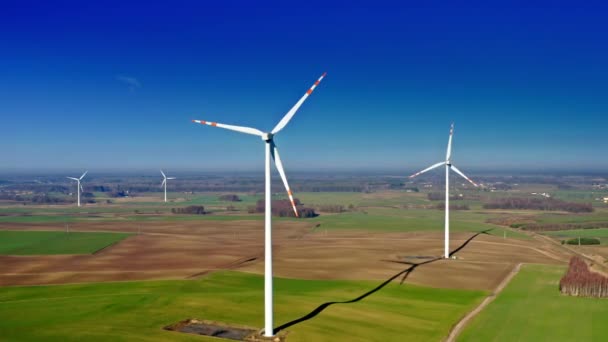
(55, 242)
(383, 238)
(165, 250)
(531, 308)
(599, 233)
(137, 311)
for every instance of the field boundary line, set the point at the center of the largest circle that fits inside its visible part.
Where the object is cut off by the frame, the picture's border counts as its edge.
(457, 329)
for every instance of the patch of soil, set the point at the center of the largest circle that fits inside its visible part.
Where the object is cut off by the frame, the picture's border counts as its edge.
(221, 330)
(418, 257)
(190, 249)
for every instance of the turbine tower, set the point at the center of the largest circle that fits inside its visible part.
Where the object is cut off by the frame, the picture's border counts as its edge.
(271, 151)
(79, 188)
(164, 183)
(448, 165)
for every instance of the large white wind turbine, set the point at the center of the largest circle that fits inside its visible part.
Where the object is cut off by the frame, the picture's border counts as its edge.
(448, 165)
(164, 183)
(79, 188)
(271, 150)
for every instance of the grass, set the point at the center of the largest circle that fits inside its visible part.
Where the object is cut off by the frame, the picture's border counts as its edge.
(410, 220)
(599, 215)
(137, 311)
(531, 308)
(600, 233)
(381, 214)
(55, 242)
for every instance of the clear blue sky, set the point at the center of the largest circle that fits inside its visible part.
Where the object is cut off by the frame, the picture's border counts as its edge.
(114, 85)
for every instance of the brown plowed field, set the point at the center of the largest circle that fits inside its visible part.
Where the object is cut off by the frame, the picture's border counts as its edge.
(186, 249)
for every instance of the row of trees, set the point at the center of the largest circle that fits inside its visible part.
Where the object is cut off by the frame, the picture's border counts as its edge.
(441, 206)
(230, 198)
(582, 241)
(37, 198)
(580, 281)
(283, 208)
(540, 227)
(334, 208)
(190, 210)
(534, 203)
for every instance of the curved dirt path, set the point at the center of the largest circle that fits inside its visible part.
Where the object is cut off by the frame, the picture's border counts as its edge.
(463, 322)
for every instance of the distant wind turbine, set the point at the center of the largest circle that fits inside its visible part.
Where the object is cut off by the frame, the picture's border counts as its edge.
(271, 150)
(448, 166)
(165, 178)
(79, 188)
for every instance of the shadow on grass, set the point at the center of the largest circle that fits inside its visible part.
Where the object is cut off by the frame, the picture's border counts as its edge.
(404, 274)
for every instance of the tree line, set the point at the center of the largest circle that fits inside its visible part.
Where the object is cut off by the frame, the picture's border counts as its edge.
(540, 227)
(283, 208)
(549, 204)
(580, 281)
(190, 210)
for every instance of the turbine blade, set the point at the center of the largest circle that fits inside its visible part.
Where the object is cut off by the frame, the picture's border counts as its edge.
(162, 173)
(164, 181)
(449, 152)
(295, 108)
(81, 189)
(76, 179)
(84, 174)
(427, 169)
(462, 174)
(171, 177)
(279, 165)
(241, 129)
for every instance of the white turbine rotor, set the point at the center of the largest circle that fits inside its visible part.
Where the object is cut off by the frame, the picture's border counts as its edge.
(449, 152)
(248, 130)
(462, 174)
(427, 169)
(279, 165)
(295, 108)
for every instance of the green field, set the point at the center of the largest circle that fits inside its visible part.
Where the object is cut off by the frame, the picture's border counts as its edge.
(376, 219)
(599, 233)
(411, 220)
(55, 242)
(531, 308)
(137, 311)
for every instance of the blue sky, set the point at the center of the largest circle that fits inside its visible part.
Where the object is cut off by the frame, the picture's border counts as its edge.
(114, 86)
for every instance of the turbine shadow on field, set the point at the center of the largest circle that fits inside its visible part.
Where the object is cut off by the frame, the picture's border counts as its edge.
(404, 274)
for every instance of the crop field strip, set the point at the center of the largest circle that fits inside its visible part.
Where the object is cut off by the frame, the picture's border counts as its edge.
(55, 242)
(533, 304)
(420, 313)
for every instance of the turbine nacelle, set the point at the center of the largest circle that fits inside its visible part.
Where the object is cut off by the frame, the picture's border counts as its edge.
(267, 137)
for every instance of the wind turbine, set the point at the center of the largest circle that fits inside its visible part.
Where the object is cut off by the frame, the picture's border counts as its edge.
(165, 178)
(448, 165)
(79, 189)
(271, 150)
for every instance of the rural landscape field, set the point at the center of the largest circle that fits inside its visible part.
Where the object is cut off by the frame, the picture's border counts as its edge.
(126, 265)
(279, 171)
